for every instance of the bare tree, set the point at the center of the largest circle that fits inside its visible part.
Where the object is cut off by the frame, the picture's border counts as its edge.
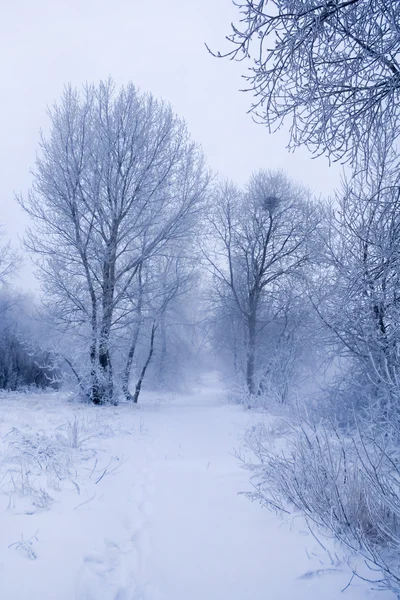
(161, 281)
(259, 239)
(117, 178)
(331, 66)
(9, 261)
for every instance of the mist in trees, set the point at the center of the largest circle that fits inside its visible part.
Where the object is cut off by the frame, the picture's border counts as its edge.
(148, 264)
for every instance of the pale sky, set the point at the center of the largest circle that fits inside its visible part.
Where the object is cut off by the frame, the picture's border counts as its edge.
(159, 46)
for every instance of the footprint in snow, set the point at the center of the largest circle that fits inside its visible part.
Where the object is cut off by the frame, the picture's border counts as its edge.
(121, 572)
(109, 576)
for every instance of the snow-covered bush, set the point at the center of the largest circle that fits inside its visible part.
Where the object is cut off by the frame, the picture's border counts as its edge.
(347, 484)
(34, 464)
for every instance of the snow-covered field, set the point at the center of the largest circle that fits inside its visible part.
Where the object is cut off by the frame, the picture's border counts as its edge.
(141, 503)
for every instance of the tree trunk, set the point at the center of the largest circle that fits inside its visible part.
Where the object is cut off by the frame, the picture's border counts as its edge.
(128, 366)
(251, 350)
(142, 374)
(78, 377)
(104, 376)
(163, 353)
(95, 392)
(131, 353)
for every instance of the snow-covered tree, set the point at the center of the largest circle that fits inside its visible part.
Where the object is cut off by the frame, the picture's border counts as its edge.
(332, 67)
(260, 240)
(117, 179)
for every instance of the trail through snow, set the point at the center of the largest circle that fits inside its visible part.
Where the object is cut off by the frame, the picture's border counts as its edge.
(158, 515)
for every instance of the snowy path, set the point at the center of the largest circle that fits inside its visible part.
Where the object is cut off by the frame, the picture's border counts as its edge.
(165, 522)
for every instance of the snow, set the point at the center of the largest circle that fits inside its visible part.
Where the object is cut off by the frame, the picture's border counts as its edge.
(143, 503)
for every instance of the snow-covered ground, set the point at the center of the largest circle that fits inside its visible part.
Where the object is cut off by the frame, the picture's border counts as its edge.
(141, 503)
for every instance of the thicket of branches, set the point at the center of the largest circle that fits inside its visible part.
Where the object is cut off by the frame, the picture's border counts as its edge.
(330, 67)
(331, 70)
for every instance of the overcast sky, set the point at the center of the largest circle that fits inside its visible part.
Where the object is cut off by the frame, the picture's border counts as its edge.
(159, 46)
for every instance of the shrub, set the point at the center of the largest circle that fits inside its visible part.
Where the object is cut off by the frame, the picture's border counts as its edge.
(345, 483)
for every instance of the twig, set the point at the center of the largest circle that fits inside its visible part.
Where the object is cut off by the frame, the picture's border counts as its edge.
(86, 501)
(349, 584)
(107, 472)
